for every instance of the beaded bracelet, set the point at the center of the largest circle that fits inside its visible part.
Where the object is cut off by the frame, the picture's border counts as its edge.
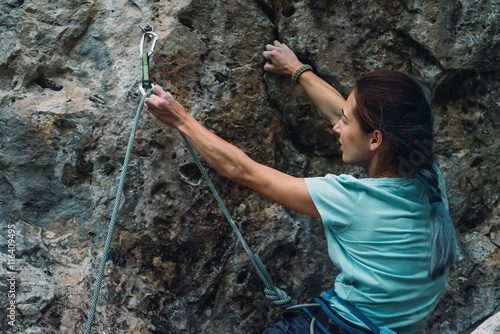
(301, 70)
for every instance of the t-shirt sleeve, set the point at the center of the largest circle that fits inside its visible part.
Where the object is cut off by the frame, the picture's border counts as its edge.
(336, 199)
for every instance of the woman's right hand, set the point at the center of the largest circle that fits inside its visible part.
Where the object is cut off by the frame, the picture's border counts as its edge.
(165, 108)
(280, 59)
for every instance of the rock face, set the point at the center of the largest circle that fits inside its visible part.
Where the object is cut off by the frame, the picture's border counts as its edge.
(69, 75)
(490, 326)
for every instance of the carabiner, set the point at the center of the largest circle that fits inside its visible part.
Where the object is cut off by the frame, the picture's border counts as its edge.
(147, 31)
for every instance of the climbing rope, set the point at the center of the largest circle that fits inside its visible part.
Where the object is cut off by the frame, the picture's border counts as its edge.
(277, 296)
(116, 208)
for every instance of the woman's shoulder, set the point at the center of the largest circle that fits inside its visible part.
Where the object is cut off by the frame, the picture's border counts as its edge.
(369, 182)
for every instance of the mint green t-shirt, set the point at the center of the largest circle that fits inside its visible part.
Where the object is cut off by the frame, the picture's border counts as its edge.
(378, 236)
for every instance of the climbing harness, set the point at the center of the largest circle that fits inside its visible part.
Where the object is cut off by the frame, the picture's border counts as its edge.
(326, 319)
(147, 32)
(276, 295)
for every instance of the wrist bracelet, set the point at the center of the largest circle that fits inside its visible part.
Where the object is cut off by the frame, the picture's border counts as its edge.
(301, 70)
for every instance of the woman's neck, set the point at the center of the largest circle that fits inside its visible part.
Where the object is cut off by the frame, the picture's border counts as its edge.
(386, 173)
(376, 169)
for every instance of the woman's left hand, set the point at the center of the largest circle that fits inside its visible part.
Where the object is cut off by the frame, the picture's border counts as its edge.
(165, 108)
(280, 59)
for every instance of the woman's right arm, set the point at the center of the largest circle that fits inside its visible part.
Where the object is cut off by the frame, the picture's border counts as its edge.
(286, 190)
(328, 100)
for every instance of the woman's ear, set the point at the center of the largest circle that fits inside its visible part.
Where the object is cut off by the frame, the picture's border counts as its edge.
(376, 140)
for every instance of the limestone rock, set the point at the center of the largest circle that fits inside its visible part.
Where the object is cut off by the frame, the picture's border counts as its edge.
(490, 326)
(69, 76)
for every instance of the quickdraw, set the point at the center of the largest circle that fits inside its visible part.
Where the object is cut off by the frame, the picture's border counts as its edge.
(147, 32)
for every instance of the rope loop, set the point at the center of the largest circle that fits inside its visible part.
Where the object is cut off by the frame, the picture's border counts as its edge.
(278, 297)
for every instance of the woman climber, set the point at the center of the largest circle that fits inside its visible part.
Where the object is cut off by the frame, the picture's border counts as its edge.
(390, 234)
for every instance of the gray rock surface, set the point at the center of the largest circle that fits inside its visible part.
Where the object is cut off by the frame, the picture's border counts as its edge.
(69, 73)
(490, 326)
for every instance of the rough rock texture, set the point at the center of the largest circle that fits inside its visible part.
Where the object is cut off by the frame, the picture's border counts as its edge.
(490, 326)
(69, 73)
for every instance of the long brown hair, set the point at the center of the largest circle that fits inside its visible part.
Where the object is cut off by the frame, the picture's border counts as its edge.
(398, 105)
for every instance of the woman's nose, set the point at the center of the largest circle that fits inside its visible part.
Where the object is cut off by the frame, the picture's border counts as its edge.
(336, 127)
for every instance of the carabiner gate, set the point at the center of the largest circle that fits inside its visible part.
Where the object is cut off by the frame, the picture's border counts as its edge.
(147, 31)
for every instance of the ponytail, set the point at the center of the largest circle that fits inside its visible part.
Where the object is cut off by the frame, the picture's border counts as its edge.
(400, 107)
(444, 247)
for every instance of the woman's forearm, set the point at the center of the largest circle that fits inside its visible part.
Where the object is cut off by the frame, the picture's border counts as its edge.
(222, 156)
(325, 97)
(225, 158)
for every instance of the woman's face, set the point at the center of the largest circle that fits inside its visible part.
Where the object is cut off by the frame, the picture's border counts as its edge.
(354, 142)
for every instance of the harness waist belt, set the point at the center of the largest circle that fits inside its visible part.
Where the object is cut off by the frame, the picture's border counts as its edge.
(328, 321)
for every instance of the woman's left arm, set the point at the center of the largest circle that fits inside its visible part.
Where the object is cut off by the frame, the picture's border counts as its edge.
(227, 159)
